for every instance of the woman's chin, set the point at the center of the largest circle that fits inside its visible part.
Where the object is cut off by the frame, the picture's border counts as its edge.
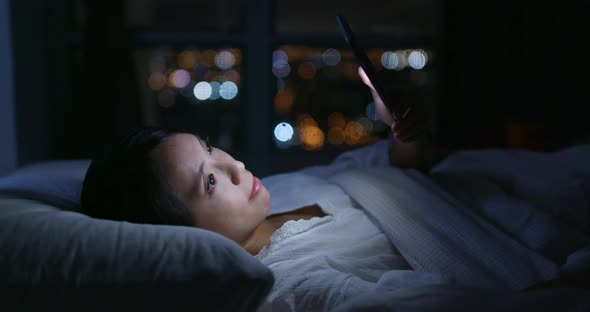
(265, 198)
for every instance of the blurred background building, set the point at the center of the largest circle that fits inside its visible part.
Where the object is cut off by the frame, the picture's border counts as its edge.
(273, 83)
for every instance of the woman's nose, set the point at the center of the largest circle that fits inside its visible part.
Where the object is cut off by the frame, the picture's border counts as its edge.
(235, 169)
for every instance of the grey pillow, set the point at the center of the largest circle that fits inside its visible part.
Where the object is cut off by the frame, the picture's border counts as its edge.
(52, 259)
(54, 182)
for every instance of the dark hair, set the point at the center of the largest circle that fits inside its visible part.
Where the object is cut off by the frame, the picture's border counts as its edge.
(122, 183)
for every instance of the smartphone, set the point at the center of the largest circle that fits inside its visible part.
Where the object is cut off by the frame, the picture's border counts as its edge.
(365, 63)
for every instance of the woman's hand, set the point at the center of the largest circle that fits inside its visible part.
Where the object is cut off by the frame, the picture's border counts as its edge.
(413, 147)
(410, 124)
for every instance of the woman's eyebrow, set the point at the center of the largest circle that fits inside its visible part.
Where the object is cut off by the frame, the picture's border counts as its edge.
(200, 176)
(202, 143)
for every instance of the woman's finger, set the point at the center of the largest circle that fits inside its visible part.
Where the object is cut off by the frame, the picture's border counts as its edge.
(411, 136)
(408, 129)
(406, 136)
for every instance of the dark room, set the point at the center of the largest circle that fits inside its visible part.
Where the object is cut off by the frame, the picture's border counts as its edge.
(233, 155)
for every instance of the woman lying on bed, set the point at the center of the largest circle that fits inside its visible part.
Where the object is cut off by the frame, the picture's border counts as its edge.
(322, 246)
(186, 181)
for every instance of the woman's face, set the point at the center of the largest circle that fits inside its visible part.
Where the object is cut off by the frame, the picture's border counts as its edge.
(220, 193)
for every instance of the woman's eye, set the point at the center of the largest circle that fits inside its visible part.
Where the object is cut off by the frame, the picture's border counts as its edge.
(209, 148)
(210, 183)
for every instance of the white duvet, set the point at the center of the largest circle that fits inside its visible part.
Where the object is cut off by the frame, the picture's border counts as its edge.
(381, 219)
(322, 262)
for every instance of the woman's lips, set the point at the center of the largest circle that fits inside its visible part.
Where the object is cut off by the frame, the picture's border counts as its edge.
(255, 187)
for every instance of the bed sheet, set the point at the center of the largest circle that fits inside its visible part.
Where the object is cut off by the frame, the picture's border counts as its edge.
(458, 298)
(505, 219)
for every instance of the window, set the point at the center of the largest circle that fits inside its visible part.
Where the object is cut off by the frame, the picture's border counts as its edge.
(272, 81)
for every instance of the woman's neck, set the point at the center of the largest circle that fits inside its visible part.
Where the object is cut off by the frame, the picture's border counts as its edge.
(261, 236)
